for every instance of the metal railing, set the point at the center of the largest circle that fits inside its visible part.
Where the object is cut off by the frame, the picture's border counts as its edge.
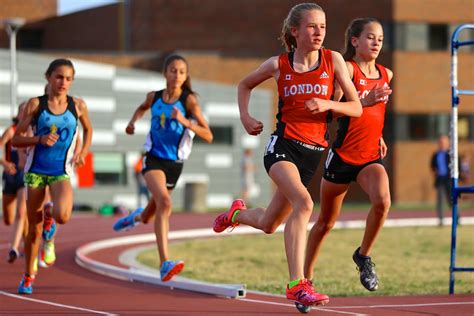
(455, 189)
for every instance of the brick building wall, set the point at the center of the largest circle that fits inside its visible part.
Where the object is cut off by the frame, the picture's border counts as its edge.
(31, 10)
(461, 11)
(212, 25)
(422, 81)
(206, 25)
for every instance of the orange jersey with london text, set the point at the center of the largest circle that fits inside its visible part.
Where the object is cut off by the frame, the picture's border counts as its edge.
(293, 121)
(358, 138)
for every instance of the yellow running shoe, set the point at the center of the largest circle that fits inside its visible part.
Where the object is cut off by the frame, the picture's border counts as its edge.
(48, 255)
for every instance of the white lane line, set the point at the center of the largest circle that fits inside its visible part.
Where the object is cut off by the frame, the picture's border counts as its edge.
(293, 306)
(404, 305)
(55, 304)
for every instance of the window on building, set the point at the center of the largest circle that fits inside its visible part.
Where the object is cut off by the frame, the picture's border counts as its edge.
(418, 36)
(223, 135)
(466, 127)
(438, 36)
(411, 36)
(388, 38)
(431, 126)
(110, 169)
(418, 127)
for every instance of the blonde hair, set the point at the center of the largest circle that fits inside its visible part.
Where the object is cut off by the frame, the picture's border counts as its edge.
(293, 20)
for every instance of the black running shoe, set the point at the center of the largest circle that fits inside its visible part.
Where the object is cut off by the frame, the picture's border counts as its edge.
(12, 255)
(366, 269)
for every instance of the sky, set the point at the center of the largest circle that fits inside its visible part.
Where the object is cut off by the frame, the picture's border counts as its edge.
(70, 6)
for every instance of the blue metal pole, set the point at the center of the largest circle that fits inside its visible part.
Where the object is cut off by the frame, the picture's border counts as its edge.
(455, 44)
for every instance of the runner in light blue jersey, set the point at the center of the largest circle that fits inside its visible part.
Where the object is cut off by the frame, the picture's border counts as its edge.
(169, 139)
(54, 118)
(175, 118)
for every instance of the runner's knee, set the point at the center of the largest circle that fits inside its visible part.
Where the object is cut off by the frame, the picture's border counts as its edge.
(323, 227)
(270, 228)
(62, 217)
(304, 206)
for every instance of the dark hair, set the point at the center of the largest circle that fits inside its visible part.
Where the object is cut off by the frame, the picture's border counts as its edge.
(187, 83)
(293, 20)
(355, 28)
(15, 120)
(58, 63)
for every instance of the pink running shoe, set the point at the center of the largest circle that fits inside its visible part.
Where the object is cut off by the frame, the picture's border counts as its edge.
(224, 220)
(305, 294)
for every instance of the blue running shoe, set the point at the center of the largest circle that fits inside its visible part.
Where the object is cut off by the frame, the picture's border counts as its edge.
(127, 222)
(170, 269)
(49, 228)
(26, 285)
(49, 225)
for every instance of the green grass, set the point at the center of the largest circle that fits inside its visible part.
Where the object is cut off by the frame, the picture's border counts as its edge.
(409, 261)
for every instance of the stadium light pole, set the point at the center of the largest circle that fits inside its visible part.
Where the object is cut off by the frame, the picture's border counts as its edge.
(12, 25)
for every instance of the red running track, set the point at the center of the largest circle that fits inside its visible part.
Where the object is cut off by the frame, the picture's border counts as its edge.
(68, 289)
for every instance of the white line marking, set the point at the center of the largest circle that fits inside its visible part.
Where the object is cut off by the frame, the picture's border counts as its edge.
(55, 304)
(293, 306)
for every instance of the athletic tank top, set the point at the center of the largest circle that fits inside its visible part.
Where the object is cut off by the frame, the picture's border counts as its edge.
(293, 121)
(57, 159)
(168, 139)
(11, 152)
(358, 138)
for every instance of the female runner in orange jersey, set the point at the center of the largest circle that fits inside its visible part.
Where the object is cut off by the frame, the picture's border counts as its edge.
(357, 153)
(305, 76)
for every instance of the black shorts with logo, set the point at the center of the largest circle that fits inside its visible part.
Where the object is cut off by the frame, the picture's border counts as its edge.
(171, 168)
(304, 156)
(337, 171)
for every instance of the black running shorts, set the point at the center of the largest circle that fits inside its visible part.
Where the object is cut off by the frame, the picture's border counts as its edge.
(171, 168)
(304, 156)
(12, 183)
(337, 171)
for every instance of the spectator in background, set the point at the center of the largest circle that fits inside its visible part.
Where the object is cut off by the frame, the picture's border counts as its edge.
(440, 166)
(142, 190)
(247, 169)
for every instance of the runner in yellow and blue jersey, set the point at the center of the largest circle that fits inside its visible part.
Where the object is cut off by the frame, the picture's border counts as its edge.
(175, 118)
(54, 120)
